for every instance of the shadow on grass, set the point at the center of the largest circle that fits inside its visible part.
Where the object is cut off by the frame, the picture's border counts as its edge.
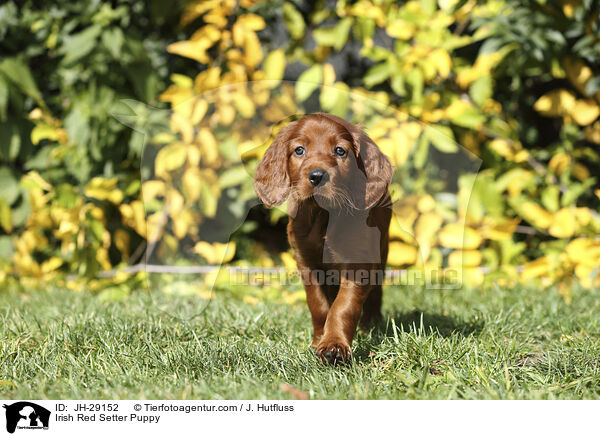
(415, 322)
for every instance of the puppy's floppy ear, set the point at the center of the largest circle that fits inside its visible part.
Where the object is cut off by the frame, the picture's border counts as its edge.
(376, 166)
(271, 179)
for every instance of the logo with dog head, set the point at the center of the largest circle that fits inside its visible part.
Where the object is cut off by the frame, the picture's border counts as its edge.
(26, 415)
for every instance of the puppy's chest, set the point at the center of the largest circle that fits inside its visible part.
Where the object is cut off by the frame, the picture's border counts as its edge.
(307, 233)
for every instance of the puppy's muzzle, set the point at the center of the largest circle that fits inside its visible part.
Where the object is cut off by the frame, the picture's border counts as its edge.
(318, 177)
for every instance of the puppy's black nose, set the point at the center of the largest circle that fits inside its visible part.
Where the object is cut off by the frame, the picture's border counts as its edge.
(318, 177)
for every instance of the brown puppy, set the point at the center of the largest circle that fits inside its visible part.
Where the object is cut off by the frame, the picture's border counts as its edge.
(337, 183)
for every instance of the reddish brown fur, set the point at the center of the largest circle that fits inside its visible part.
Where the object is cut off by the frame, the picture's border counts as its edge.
(340, 226)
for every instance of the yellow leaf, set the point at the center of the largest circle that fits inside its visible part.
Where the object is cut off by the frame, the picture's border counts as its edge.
(207, 79)
(51, 264)
(482, 67)
(288, 261)
(578, 73)
(467, 258)
(502, 147)
(400, 29)
(585, 112)
(427, 226)
(181, 123)
(43, 131)
(181, 223)
(103, 189)
(134, 215)
(226, 114)
(472, 276)
(426, 203)
(328, 75)
(536, 268)
(586, 275)
(170, 158)
(569, 7)
(580, 250)
(174, 202)
(208, 147)
(274, 66)
(537, 215)
(35, 177)
(500, 230)
(152, 189)
(215, 253)
(252, 22)
(199, 110)
(244, 105)
(122, 242)
(253, 50)
(456, 235)
(581, 172)
(401, 254)
(103, 259)
(192, 184)
(182, 80)
(564, 224)
(441, 60)
(559, 163)
(5, 216)
(195, 50)
(555, 103)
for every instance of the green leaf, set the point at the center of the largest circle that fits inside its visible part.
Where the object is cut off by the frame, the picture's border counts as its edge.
(6, 247)
(3, 98)
(550, 198)
(66, 195)
(10, 139)
(442, 138)
(334, 36)
(21, 212)
(308, 82)
(233, 176)
(377, 74)
(207, 201)
(397, 85)
(481, 90)
(335, 99)
(113, 39)
(19, 73)
(414, 78)
(421, 152)
(576, 190)
(114, 293)
(294, 22)
(9, 186)
(470, 118)
(80, 44)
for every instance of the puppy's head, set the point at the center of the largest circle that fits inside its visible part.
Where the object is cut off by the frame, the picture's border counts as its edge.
(327, 158)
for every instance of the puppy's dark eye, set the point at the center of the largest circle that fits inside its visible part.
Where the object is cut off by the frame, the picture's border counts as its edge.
(339, 151)
(299, 151)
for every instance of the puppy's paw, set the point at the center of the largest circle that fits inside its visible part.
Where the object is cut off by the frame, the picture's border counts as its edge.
(334, 351)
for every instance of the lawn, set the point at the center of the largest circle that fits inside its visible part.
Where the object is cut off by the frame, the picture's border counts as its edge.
(499, 344)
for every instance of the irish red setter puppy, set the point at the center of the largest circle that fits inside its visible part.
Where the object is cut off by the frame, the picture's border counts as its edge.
(336, 180)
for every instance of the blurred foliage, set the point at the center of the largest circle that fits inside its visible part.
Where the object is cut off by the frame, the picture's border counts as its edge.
(64, 67)
(515, 83)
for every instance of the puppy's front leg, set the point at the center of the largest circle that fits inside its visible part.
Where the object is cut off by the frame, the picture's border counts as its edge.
(341, 323)
(318, 304)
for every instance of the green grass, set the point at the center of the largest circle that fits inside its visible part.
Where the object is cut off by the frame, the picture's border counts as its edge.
(501, 344)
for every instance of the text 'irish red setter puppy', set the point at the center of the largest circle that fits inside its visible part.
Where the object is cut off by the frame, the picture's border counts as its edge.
(336, 180)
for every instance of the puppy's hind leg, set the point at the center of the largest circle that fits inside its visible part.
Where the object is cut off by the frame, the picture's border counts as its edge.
(371, 313)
